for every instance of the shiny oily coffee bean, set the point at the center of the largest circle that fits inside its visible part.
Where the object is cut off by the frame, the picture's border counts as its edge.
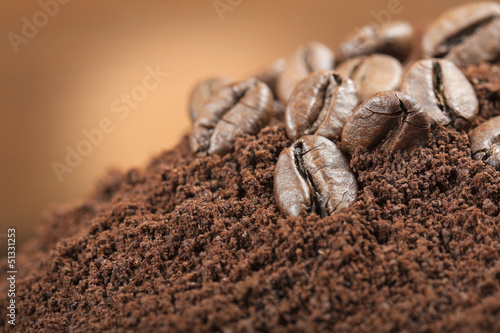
(372, 74)
(466, 35)
(485, 142)
(236, 110)
(389, 120)
(443, 90)
(394, 38)
(320, 104)
(313, 176)
(306, 59)
(203, 91)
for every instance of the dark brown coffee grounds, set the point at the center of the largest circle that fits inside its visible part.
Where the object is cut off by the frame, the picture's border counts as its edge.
(486, 82)
(198, 244)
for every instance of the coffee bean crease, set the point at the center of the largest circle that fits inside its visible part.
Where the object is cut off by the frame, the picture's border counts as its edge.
(388, 120)
(444, 92)
(466, 35)
(236, 110)
(313, 176)
(320, 104)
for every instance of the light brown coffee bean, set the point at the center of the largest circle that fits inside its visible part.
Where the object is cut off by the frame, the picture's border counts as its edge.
(388, 120)
(444, 92)
(203, 91)
(372, 74)
(466, 35)
(313, 176)
(306, 59)
(394, 38)
(320, 104)
(238, 109)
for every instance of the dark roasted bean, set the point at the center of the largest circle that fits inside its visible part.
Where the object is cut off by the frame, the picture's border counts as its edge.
(466, 35)
(485, 142)
(203, 91)
(372, 74)
(443, 90)
(320, 104)
(306, 59)
(313, 176)
(389, 120)
(394, 38)
(236, 110)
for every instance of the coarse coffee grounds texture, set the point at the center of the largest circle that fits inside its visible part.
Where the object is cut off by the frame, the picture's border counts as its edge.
(194, 244)
(486, 82)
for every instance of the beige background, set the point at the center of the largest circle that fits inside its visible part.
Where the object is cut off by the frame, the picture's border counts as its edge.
(65, 78)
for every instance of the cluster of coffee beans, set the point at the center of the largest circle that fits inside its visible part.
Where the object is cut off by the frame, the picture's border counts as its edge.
(359, 96)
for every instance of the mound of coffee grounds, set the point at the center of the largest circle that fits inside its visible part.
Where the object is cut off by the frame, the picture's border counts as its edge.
(197, 244)
(486, 82)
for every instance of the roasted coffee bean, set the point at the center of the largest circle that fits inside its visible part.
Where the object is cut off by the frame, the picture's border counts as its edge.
(306, 59)
(389, 120)
(466, 35)
(236, 110)
(485, 142)
(313, 176)
(269, 75)
(443, 90)
(372, 74)
(320, 104)
(203, 91)
(394, 38)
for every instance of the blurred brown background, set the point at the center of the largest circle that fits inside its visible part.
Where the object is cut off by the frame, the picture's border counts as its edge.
(84, 56)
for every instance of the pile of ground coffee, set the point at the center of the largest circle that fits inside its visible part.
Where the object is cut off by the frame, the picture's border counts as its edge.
(198, 244)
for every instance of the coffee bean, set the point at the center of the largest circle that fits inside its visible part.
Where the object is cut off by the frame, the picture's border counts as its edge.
(306, 59)
(269, 75)
(388, 120)
(466, 35)
(202, 93)
(320, 104)
(485, 142)
(313, 176)
(394, 38)
(443, 90)
(236, 110)
(372, 74)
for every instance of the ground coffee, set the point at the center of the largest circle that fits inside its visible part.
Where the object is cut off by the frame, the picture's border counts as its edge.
(196, 244)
